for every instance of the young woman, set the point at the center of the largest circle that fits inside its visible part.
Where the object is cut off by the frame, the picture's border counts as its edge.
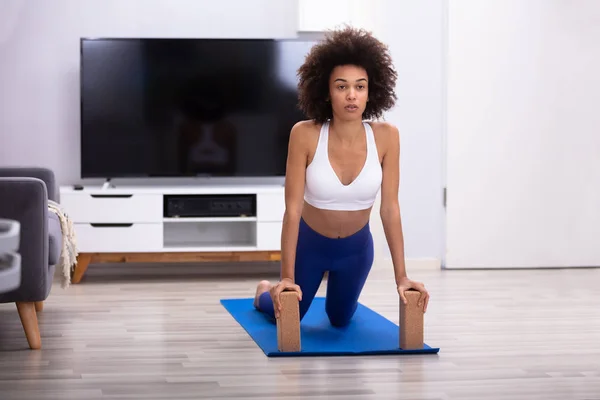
(337, 163)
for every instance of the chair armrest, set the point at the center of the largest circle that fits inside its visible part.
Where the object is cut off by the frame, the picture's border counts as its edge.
(45, 174)
(26, 201)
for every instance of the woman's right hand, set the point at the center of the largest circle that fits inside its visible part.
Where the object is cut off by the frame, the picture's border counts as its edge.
(283, 285)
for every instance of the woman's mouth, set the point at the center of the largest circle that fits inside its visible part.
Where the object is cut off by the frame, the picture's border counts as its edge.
(351, 107)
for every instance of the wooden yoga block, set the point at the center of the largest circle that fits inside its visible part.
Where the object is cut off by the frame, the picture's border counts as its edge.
(288, 323)
(411, 321)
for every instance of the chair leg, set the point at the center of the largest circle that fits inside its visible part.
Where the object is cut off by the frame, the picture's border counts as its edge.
(39, 306)
(29, 320)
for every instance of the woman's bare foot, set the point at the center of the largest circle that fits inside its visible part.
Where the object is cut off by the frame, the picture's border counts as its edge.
(263, 286)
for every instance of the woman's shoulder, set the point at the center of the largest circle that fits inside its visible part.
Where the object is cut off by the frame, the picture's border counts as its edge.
(383, 128)
(386, 134)
(305, 133)
(306, 126)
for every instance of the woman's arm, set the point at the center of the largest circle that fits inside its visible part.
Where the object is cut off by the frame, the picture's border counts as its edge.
(294, 198)
(390, 215)
(390, 207)
(294, 202)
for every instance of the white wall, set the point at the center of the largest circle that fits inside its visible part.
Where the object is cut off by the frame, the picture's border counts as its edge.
(522, 78)
(414, 32)
(523, 134)
(39, 60)
(321, 15)
(39, 100)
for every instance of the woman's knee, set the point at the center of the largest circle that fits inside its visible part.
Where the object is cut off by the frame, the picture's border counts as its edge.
(339, 321)
(340, 317)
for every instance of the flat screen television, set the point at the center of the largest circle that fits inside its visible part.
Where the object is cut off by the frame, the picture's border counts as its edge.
(188, 107)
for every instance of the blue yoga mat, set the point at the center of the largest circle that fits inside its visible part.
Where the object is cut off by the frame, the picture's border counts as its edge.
(369, 333)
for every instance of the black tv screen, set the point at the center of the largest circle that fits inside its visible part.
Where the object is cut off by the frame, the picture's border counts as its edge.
(188, 107)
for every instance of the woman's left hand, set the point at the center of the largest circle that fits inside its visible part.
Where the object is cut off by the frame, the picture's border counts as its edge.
(406, 284)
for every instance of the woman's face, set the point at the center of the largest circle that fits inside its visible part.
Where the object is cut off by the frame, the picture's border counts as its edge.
(348, 92)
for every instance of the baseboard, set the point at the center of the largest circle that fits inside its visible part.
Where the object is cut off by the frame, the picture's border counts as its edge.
(412, 264)
(424, 263)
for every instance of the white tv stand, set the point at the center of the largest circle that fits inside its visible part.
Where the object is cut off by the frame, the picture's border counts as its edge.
(128, 224)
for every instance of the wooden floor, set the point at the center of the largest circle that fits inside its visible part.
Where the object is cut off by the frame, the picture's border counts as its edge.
(516, 334)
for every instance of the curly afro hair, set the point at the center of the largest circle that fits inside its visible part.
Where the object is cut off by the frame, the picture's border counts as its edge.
(348, 46)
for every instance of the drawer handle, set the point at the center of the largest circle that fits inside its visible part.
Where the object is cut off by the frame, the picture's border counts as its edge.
(109, 225)
(111, 196)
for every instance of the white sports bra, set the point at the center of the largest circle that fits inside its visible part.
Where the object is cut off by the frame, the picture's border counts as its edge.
(324, 189)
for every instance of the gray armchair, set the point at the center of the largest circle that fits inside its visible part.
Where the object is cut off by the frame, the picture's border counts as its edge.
(24, 195)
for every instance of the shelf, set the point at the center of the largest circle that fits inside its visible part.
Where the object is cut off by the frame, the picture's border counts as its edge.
(210, 234)
(208, 249)
(209, 219)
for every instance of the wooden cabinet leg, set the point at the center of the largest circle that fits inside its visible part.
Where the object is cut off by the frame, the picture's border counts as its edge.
(83, 261)
(29, 321)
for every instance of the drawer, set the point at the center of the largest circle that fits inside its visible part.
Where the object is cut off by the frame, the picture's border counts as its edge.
(84, 207)
(270, 207)
(119, 238)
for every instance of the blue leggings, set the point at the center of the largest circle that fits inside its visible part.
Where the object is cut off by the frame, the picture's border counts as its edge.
(348, 261)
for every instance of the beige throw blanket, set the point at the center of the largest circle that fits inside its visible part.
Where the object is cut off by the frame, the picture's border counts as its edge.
(69, 253)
